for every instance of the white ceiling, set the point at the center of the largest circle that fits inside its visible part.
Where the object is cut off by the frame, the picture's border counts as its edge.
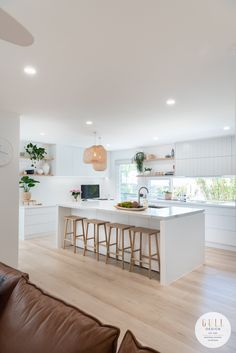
(115, 62)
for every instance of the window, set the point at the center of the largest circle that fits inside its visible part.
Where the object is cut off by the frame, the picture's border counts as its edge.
(128, 184)
(157, 187)
(205, 189)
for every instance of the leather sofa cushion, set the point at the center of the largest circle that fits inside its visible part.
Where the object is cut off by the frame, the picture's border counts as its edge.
(9, 277)
(34, 321)
(129, 344)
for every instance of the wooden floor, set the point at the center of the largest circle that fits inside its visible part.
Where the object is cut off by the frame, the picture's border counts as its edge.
(161, 317)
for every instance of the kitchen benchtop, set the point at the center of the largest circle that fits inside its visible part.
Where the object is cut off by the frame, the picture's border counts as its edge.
(165, 212)
(227, 204)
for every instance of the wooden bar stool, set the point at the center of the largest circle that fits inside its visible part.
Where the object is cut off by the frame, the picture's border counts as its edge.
(74, 220)
(150, 257)
(97, 223)
(120, 238)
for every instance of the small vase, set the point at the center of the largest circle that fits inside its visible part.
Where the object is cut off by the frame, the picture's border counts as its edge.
(46, 168)
(26, 196)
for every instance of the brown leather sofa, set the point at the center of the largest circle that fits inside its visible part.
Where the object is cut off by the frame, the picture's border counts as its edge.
(32, 321)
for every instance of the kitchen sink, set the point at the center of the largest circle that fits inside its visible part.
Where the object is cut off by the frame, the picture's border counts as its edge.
(155, 206)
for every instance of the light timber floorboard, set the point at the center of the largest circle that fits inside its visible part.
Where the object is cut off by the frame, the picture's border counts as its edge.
(161, 317)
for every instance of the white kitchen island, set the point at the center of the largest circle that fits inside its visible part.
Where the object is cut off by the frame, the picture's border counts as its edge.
(182, 232)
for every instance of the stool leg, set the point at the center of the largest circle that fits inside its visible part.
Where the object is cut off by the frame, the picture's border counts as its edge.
(158, 253)
(132, 262)
(108, 245)
(105, 232)
(97, 243)
(141, 249)
(117, 235)
(86, 238)
(94, 239)
(131, 250)
(74, 224)
(65, 233)
(83, 233)
(122, 248)
(150, 254)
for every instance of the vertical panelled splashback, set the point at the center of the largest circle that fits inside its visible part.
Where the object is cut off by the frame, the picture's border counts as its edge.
(210, 157)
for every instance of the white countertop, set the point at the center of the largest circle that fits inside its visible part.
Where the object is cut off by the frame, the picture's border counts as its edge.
(108, 206)
(229, 204)
(38, 206)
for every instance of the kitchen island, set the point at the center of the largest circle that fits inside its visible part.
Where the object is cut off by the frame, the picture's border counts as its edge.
(182, 232)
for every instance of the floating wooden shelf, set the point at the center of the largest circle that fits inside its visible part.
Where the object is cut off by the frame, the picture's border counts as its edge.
(159, 159)
(36, 175)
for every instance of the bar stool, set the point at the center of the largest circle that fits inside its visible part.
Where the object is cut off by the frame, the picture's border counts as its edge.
(150, 257)
(120, 237)
(74, 220)
(97, 224)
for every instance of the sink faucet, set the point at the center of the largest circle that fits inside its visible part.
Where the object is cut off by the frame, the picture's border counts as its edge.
(139, 193)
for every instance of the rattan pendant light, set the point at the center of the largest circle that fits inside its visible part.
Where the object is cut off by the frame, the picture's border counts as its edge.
(96, 155)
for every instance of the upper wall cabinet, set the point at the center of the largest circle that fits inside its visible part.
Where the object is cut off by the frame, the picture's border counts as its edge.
(69, 162)
(210, 157)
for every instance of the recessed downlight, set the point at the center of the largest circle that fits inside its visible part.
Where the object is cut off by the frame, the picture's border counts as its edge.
(170, 101)
(156, 138)
(89, 122)
(30, 70)
(108, 145)
(42, 133)
(226, 128)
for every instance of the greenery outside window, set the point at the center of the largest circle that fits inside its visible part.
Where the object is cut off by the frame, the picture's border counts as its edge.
(128, 184)
(205, 189)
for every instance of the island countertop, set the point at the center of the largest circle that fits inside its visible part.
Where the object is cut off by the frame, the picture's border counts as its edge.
(162, 213)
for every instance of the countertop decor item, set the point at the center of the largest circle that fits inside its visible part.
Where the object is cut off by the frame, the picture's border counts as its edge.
(168, 195)
(147, 171)
(130, 206)
(75, 193)
(46, 168)
(130, 209)
(35, 153)
(139, 160)
(27, 183)
(150, 157)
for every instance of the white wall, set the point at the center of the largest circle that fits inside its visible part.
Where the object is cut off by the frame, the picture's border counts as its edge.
(55, 189)
(9, 191)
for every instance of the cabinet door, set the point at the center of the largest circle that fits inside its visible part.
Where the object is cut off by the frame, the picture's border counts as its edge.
(64, 160)
(210, 157)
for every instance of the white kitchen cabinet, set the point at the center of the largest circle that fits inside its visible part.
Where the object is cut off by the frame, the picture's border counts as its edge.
(37, 221)
(69, 162)
(212, 166)
(210, 157)
(220, 223)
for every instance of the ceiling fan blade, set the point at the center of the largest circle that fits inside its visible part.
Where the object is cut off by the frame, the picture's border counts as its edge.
(12, 31)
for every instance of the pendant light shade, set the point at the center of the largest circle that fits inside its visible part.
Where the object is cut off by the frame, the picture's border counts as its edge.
(87, 155)
(96, 155)
(99, 167)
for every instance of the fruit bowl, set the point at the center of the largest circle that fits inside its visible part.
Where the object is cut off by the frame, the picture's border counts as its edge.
(129, 206)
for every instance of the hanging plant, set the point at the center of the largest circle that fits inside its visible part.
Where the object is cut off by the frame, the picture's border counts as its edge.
(35, 153)
(139, 160)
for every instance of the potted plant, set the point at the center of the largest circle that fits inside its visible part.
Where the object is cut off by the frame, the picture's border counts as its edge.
(75, 193)
(35, 153)
(147, 171)
(26, 183)
(168, 195)
(139, 160)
